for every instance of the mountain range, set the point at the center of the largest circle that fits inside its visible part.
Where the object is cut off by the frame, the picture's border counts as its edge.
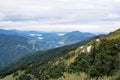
(16, 43)
(97, 58)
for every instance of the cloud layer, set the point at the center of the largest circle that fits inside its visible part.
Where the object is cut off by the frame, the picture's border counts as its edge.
(60, 15)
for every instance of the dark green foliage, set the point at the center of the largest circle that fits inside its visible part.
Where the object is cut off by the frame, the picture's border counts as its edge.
(57, 71)
(118, 78)
(103, 59)
(24, 77)
(15, 74)
(80, 64)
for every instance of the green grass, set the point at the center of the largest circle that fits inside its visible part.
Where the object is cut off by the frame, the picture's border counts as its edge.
(115, 35)
(9, 77)
(81, 76)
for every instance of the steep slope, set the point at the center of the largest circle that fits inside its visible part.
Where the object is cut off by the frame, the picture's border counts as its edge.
(114, 35)
(97, 60)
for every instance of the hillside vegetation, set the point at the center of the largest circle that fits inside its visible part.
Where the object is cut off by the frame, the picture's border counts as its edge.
(99, 59)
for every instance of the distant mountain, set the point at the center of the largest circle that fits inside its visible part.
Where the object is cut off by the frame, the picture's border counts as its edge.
(76, 36)
(15, 43)
(49, 40)
(45, 38)
(8, 32)
(97, 59)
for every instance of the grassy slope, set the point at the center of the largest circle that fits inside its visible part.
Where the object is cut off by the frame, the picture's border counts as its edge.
(114, 35)
(9, 77)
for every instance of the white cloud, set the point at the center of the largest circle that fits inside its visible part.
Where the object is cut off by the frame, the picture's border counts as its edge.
(32, 25)
(2, 16)
(60, 15)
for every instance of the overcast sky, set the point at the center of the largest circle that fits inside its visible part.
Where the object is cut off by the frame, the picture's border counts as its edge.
(60, 15)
